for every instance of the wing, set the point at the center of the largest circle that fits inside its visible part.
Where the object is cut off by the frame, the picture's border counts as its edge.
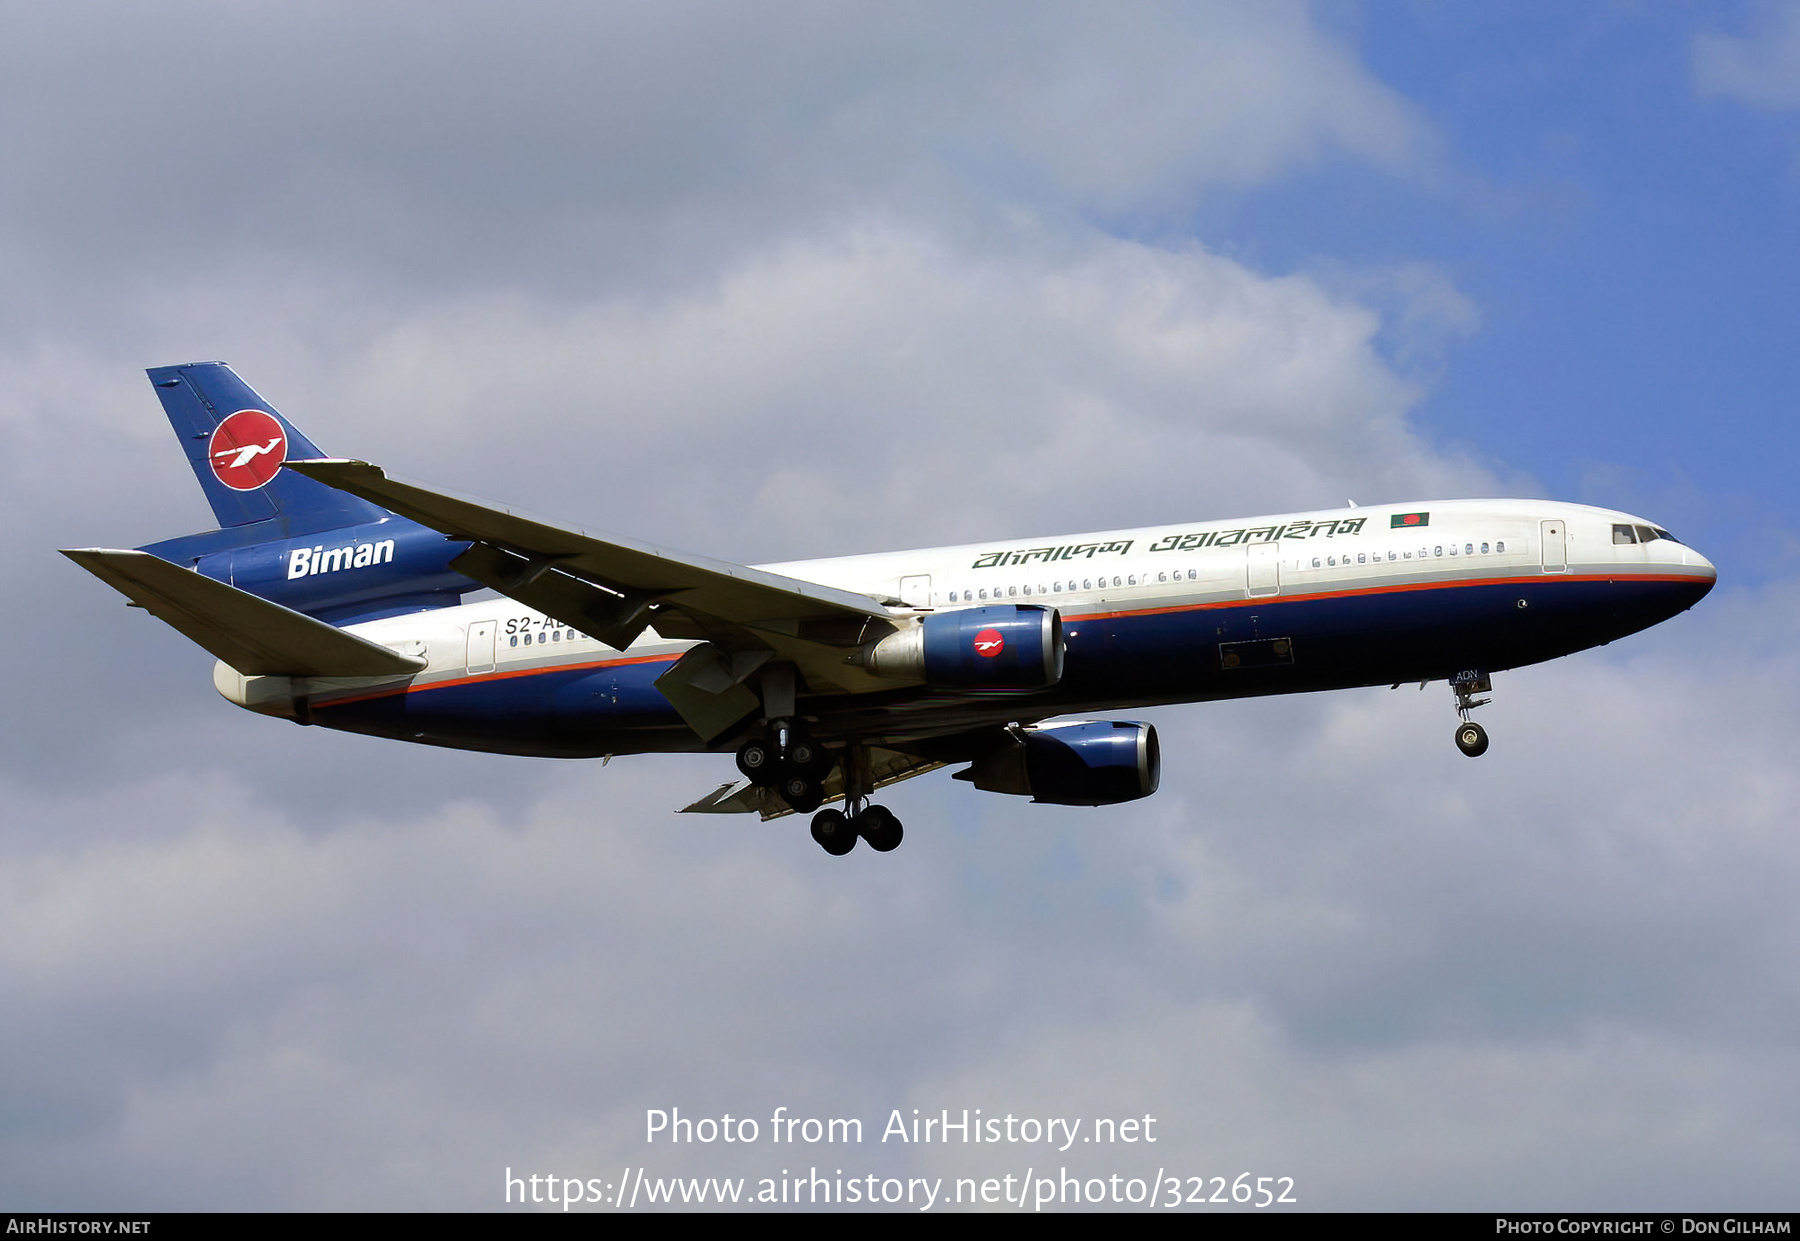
(614, 588)
(885, 767)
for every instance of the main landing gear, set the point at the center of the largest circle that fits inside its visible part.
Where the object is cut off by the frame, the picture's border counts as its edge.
(1471, 738)
(795, 766)
(792, 764)
(837, 831)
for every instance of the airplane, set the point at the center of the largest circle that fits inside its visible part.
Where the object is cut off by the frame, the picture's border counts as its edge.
(334, 595)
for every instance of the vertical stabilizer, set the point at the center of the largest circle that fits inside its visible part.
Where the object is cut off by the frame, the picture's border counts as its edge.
(236, 442)
(282, 536)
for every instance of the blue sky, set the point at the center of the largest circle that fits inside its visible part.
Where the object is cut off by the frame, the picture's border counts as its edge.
(808, 280)
(1627, 231)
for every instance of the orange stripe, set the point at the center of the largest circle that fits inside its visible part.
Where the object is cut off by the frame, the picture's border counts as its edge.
(1068, 618)
(502, 676)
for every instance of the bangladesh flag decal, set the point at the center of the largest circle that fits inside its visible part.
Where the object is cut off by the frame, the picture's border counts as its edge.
(1399, 520)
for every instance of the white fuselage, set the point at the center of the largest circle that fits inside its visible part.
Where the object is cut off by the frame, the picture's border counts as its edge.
(1315, 555)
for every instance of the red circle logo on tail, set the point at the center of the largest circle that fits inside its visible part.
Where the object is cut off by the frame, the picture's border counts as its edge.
(247, 449)
(989, 643)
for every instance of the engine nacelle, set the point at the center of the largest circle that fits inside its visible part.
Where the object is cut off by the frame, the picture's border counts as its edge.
(1087, 763)
(1005, 646)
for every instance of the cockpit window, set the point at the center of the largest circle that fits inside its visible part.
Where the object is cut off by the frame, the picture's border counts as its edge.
(1641, 534)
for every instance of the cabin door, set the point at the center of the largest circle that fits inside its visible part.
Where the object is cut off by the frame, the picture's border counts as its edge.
(1556, 549)
(481, 646)
(1264, 569)
(915, 592)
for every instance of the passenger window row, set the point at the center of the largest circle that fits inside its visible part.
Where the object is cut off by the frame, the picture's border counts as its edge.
(554, 635)
(1119, 580)
(1058, 588)
(1424, 553)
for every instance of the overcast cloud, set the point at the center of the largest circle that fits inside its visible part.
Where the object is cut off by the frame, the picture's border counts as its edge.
(772, 282)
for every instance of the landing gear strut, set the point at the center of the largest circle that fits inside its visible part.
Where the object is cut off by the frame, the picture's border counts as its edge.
(1471, 738)
(785, 759)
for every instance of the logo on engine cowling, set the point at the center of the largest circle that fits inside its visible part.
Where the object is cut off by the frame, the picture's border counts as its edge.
(247, 449)
(989, 643)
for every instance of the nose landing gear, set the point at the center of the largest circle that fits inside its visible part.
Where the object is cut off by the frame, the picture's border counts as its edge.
(1471, 738)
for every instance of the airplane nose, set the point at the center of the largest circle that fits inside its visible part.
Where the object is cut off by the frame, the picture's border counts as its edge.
(1701, 575)
(1706, 568)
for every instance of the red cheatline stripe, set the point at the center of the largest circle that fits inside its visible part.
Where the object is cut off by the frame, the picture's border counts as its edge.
(508, 675)
(1259, 600)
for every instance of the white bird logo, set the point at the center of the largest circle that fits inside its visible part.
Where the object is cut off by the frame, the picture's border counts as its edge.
(245, 455)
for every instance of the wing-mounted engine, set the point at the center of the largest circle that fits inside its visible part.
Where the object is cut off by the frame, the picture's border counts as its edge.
(1080, 763)
(1010, 646)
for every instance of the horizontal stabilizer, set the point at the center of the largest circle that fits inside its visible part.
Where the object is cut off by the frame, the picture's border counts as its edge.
(256, 637)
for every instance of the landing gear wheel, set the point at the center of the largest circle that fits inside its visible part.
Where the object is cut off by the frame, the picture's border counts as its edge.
(756, 759)
(808, 758)
(880, 828)
(835, 834)
(1471, 739)
(802, 794)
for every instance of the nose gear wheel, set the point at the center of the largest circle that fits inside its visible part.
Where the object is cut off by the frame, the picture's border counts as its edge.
(1471, 739)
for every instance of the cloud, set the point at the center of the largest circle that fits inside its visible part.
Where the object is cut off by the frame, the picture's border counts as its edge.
(1330, 948)
(920, 392)
(1762, 68)
(557, 148)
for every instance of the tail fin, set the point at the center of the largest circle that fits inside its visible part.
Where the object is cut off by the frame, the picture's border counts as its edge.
(282, 536)
(236, 442)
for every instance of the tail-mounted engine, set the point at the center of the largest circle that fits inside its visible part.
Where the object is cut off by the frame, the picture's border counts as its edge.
(1011, 646)
(1083, 763)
